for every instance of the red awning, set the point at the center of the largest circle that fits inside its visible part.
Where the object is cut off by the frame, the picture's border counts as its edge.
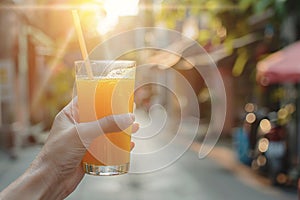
(280, 67)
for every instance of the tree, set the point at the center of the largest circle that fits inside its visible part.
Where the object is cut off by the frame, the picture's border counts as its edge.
(223, 21)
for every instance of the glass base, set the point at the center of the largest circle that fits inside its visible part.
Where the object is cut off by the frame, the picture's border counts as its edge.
(100, 170)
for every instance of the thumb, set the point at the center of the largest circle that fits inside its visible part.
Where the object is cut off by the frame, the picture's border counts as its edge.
(90, 130)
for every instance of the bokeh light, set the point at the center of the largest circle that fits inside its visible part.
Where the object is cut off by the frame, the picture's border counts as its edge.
(263, 145)
(291, 108)
(250, 118)
(282, 113)
(265, 125)
(261, 160)
(281, 178)
(249, 107)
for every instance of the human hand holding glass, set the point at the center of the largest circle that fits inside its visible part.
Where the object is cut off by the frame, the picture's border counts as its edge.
(57, 170)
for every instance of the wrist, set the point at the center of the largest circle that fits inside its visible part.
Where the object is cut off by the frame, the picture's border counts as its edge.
(43, 170)
(46, 182)
(38, 182)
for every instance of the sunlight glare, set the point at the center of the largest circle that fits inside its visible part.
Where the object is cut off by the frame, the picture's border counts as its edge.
(121, 7)
(115, 9)
(107, 24)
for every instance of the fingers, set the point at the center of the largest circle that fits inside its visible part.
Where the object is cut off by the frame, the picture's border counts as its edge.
(113, 123)
(90, 130)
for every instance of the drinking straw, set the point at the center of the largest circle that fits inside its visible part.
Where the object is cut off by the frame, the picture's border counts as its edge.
(82, 44)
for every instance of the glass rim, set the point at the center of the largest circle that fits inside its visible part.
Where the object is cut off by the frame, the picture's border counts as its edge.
(107, 62)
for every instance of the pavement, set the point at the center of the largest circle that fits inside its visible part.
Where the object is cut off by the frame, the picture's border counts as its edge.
(163, 168)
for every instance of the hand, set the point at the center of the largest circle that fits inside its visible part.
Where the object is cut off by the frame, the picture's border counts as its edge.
(57, 168)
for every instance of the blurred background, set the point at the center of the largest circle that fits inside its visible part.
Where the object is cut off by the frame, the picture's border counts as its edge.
(254, 45)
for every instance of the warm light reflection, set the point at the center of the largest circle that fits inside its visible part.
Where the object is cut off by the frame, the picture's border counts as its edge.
(265, 126)
(250, 118)
(121, 7)
(107, 24)
(114, 9)
(89, 7)
(281, 178)
(291, 108)
(222, 32)
(282, 113)
(263, 145)
(249, 107)
(261, 160)
(54, 63)
(190, 28)
(204, 95)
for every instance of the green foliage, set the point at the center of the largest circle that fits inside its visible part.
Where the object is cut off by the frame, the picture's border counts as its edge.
(57, 93)
(245, 4)
(261, 5)
(230, 17)
(241, 61)
(233, 14)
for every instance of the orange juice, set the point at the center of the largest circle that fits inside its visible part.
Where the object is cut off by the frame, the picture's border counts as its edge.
(102, 97)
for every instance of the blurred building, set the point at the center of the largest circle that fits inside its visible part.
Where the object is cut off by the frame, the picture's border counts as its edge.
(9, 70)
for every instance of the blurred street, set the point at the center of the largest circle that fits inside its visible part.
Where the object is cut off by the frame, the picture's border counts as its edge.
(188, 178)
(216, 92)
(219, 176)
